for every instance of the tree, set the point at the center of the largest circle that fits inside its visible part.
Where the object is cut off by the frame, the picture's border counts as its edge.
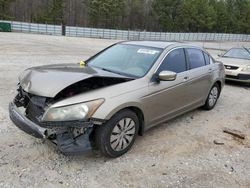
(196, 16)
(242, 14)
(222, 16)
(230, 16)
(166, 12)
(4, 9)
(105, 13)
(52, 14)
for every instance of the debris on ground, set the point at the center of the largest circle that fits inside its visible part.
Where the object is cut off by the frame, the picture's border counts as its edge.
(218, 142)
(234, 133)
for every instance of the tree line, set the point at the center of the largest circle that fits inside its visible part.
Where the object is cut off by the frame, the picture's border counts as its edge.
(222, 16)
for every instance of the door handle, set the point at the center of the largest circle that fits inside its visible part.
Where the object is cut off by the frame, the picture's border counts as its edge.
(210, 70)
(185, 78)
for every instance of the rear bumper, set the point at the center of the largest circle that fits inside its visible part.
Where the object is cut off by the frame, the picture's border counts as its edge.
(64, 138)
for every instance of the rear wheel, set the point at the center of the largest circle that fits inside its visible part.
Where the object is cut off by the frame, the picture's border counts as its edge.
(117, 136)
(212, 97)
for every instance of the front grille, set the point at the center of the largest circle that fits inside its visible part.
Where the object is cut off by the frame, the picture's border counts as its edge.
(230, 67)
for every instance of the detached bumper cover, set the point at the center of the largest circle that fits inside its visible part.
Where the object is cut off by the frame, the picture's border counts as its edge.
(65, 140)
(69, 145)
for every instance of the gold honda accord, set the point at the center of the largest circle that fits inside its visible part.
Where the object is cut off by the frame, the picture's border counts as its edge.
(117, 94)
(237, 64)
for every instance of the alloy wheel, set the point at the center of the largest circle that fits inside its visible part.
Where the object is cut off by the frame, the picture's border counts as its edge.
(213, 96)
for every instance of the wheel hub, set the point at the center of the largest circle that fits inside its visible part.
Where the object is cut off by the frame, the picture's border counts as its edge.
(122, 134)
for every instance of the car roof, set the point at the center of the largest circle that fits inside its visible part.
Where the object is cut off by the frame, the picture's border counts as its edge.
(154, 44)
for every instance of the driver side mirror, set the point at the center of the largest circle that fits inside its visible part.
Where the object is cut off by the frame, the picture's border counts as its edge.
(167, 76)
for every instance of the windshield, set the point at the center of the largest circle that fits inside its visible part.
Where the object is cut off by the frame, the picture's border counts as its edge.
(241, 53)
(129, 60)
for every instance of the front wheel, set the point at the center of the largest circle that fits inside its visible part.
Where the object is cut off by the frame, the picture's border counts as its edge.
(212, 97)
(117, 136)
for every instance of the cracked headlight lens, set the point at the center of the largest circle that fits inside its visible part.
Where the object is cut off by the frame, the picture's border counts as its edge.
(73, 112)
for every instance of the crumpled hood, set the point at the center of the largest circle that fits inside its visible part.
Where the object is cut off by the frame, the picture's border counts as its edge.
(48, 81)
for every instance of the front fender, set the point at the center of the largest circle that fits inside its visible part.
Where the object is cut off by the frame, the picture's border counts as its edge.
(107, 111)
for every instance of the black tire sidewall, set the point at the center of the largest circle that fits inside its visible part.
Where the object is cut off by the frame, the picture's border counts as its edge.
(207, 106)
(104, 133)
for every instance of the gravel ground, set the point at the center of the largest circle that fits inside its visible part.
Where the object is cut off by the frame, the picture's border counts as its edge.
(180, 153)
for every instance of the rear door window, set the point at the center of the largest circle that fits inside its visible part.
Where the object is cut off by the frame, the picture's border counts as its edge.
(175, 61)
(207, 58)
(196, 58)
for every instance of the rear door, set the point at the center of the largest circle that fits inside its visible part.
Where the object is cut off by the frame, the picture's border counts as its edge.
(200, 75)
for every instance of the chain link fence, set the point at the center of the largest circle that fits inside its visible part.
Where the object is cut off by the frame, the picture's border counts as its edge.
(123, 34)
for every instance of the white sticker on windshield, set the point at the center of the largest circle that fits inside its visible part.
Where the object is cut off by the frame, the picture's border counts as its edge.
(147, 51)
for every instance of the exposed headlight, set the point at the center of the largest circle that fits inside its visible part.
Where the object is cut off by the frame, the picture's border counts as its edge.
(80, 111)
(246, 69)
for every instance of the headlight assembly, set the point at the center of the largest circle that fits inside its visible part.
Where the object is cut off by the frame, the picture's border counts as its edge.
(73, 112)
(246, 69)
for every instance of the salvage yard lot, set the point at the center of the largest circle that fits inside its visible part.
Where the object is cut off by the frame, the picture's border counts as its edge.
(179, 153)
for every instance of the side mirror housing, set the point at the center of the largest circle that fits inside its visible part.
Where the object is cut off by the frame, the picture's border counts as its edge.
(167, 76)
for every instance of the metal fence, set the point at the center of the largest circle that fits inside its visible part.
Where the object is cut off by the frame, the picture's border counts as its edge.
(123, 34)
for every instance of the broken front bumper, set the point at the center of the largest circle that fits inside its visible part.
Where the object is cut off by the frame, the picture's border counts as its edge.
(24, 123)
(63, 137)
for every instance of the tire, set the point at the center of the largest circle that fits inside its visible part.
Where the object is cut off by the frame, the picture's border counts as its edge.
(117, 136)
(213, 97)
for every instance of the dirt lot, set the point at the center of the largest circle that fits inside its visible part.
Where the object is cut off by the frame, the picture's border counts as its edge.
(180, 153)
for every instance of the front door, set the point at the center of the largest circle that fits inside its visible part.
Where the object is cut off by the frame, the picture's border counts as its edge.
(168, 97)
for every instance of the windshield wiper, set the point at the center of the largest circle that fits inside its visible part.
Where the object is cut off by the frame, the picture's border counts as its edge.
(112, 71)
(246, 49)
(119, 73)
(116, 72)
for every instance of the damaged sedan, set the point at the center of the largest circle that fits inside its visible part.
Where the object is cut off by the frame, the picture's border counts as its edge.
(117, 94)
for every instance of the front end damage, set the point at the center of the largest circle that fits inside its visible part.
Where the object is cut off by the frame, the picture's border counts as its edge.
(42, 87)
(71, 137)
